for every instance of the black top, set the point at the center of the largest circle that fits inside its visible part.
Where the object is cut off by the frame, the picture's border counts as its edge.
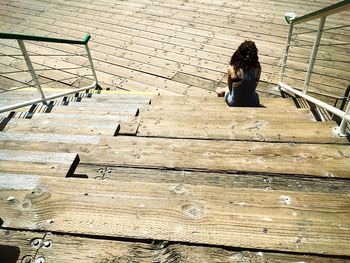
(245, 95)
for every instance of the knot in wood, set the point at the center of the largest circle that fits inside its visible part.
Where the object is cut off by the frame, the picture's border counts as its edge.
(193, 211)
(26, 204)
(179, 189)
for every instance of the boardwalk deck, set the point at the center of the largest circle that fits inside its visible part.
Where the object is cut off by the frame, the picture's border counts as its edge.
(129, 176)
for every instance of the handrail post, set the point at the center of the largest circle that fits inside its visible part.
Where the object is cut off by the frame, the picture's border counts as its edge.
(97, 85)
(344, 122)
(285, 55)
(31, 70)
(314, 53)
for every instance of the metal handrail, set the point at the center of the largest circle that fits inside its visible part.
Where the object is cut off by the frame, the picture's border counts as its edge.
(321, 15)
(20, 39)
(329, 10)
(45, 39)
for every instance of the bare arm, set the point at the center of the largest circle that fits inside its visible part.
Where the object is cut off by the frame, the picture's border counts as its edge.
(231, 75)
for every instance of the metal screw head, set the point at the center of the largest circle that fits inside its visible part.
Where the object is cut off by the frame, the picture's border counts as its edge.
(47, 243)
(36, 242)
(27, 259)
(39, 260)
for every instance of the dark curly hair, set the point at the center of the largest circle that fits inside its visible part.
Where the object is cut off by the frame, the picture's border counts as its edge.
(245, 57)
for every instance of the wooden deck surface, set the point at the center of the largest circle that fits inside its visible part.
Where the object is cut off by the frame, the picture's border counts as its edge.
(131, 176)
(175, 47)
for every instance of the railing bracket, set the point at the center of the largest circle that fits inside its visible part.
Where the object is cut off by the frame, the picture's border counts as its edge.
(341, 134)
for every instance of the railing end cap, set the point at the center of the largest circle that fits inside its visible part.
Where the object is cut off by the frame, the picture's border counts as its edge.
(86, 38)
(290, 16)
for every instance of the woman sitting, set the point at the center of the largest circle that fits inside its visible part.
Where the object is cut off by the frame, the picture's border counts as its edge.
(243, 75)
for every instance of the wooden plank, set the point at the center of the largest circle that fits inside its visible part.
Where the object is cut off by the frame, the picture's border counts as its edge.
(301, 115)
(224, 180)
(315, 160)
(197, 214)
(257, 129)
(101, 120)
(208, 113)
(195, 81)
(320, 160)
(34, 162)
(49, 137)
(59, 248)
(107, 112)
(101, 107)
(163, 101)
(59, 126)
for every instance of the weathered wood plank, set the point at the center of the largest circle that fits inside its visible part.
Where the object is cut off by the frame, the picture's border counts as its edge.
(263, 129)
(168, 101)
(316, 160)
(211, 112)
(213, 215)
(49, 137)
(60, 126)
(101, 120)
(224, 180)
(60, 248)
(34, 162)
(321, 160)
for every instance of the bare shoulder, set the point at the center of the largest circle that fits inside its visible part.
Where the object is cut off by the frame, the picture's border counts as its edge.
(232, 73)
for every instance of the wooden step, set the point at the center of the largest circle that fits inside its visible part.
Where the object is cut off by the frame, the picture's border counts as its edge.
(35, 162)
(257, 129)
(101, 107)
(16, 245)
(235, 113)
(226, 180)
(182, 212)
(174, 101)
(92, 112)
(99, 119)
(320, 160)
(60, 126)
(50, 137)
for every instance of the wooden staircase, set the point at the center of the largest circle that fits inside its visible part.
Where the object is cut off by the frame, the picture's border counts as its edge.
(134, 178)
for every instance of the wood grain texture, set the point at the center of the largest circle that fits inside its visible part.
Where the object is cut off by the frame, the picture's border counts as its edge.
(224, 180)
(247, 129)
(180, 212)
(215, 102)
(321, 160)
(316, 160)
(34, 162)
(61, 126)
(158, 41)
(58, 248)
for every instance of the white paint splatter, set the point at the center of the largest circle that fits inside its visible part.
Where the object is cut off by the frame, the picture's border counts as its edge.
(18, 181)
(266, 219)
(260, 254)
(286, 199)
(10, 198)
